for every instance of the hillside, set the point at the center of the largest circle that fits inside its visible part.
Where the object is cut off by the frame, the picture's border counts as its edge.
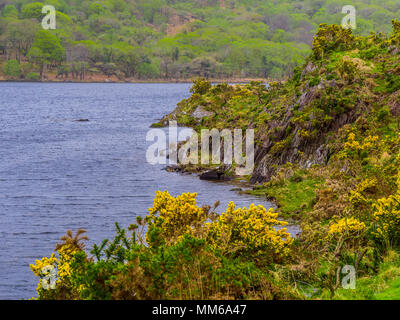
(346, 80)
(169, 40)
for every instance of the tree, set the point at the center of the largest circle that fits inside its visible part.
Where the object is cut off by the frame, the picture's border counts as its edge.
(77, 58)
(12, 69)
(32, 10)
(19, 37)
(46, 50)
(9, 11)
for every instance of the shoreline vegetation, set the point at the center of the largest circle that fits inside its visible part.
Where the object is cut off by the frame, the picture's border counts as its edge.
(327, 149)
(105, 79)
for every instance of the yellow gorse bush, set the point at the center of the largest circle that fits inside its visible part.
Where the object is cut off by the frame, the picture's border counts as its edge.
(42, 269)
(250, 231)
(66, 254)
(41, 264)
(387, 215)
(62, 267)
(357, 197)
(387, 218)
(346, 227)
(351, 143)
(254, 234)
(369, 143)
(177, 216)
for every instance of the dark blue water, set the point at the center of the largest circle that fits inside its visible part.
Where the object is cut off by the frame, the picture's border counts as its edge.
(58, 174)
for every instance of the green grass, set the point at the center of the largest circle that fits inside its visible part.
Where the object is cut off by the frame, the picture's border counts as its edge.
(385, 285)
(293, 197)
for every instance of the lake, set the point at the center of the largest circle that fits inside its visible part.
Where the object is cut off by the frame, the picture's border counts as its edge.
(58, 174)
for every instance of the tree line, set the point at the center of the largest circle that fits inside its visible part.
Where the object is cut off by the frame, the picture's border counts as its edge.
(171, 39)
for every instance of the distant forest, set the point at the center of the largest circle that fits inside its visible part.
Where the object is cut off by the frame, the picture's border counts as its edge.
(171, 39)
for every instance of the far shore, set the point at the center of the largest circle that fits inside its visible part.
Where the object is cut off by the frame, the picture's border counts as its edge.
(113, 79)
(245, 80)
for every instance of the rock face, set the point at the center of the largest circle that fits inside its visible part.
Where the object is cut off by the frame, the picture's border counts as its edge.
(308, 69)
(315, 150)
(200, 113)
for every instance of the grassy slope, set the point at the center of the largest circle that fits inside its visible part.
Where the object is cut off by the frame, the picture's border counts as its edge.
(293, 196)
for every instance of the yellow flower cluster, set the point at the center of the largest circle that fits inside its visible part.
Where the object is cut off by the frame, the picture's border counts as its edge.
(353, 145)
(176, 215)
(40, 265)
(43, 267)
(347, 226)
(356, 196)
(64, 266)
(253, 230)
(241, 92)
(398, 174)
(304, 133)
(371, 142)
(387, 217)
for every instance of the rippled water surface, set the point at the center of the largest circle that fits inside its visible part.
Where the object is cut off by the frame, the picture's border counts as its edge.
(58, 174)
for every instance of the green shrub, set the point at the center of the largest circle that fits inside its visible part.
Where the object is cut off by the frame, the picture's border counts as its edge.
(383, 114)
(315, 81)
(32, 76)
(200, 86)
(12, 69)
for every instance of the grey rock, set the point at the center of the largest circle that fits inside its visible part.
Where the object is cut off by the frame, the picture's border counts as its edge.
(200, 113)
(308, 69)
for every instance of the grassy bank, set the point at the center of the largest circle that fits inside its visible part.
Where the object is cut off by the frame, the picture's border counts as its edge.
(294, 192)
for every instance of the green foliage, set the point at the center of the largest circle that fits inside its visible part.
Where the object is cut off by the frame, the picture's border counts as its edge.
(383, 114)
(12, 69)
(32, 76)
(200, 86)
(46, 48)
(385, 285)
(330, 38)
(315, 81)
(32, 10)
(294, 192)
(187, 39)
(9, 11)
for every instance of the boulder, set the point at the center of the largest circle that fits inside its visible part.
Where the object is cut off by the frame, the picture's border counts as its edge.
(214, 175)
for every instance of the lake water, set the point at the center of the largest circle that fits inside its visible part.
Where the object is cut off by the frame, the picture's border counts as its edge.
(58, 174)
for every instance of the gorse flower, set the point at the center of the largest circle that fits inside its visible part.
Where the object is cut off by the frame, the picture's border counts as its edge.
(176, 216)
(61, 266)
(357, 197)
(387, 218)
(346, 227)
(40, 265)
(352, 146)
(250, 232)
(238, 230)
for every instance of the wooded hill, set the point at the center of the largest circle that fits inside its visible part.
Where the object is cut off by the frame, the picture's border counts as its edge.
(171, 39)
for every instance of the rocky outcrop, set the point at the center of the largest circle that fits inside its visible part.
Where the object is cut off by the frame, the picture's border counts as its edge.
(200, 113)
